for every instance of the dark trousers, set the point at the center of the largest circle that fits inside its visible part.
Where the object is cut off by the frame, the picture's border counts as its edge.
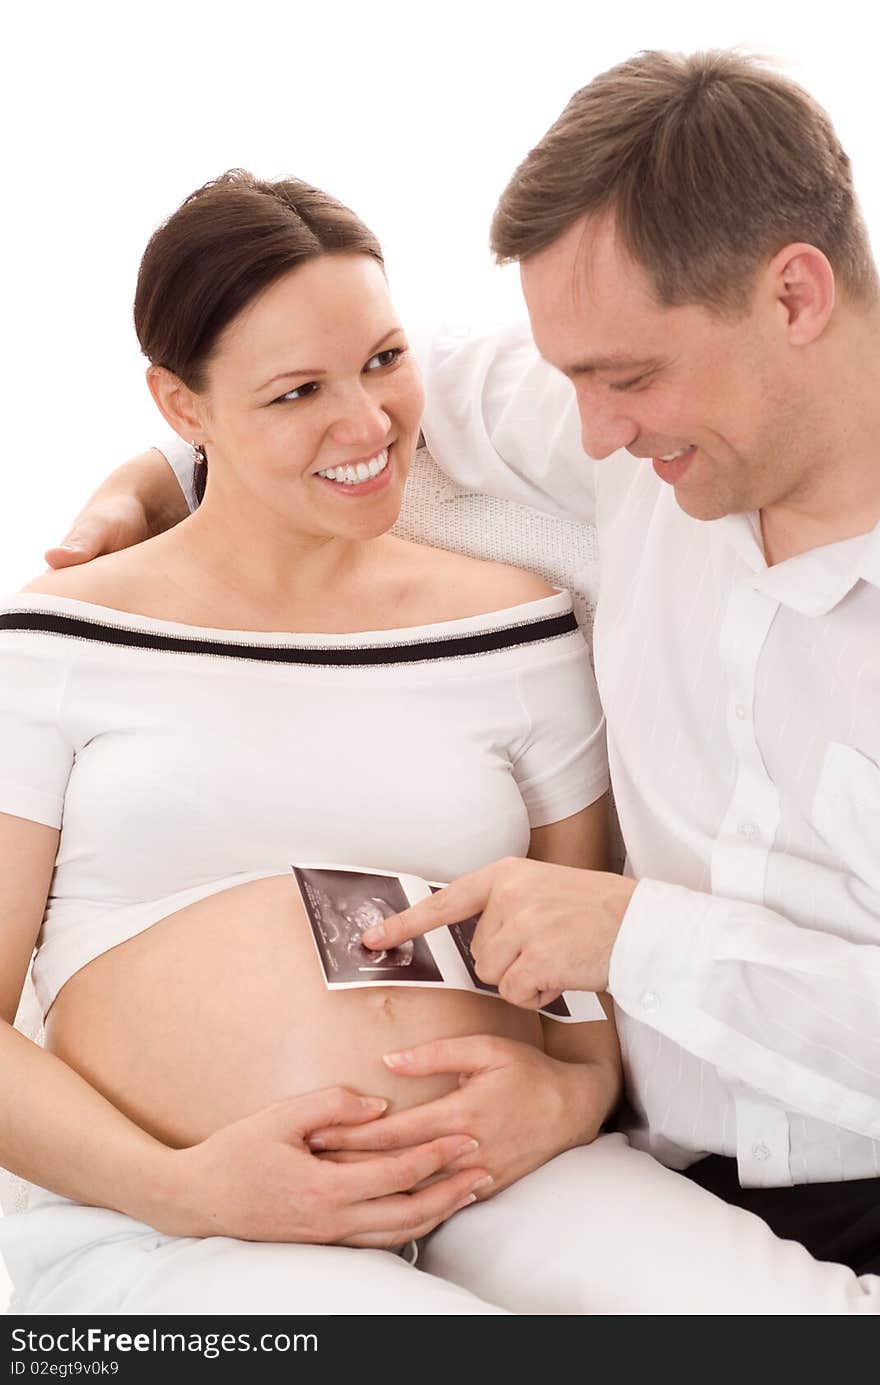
(835, 1221)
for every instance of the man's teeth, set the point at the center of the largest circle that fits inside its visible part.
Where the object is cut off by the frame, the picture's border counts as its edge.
(356, 475)
(671, 456)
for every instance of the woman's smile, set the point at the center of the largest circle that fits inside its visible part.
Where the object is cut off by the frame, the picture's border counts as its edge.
(363, 477)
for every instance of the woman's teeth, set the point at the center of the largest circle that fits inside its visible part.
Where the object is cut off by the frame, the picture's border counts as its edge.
(671, 456)
(356, 475)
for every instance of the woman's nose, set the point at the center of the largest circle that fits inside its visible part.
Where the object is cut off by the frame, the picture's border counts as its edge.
(362, 423)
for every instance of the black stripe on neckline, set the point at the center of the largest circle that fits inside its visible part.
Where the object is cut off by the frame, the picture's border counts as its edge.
(418, 651)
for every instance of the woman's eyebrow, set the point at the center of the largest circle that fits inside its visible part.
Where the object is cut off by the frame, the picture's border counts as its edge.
(318, 370)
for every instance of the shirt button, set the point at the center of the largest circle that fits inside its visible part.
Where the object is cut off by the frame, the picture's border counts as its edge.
(741, 712)
(649, 1001)
(761, 1152)
(749, 830)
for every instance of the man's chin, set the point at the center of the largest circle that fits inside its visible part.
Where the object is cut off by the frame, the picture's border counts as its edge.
(703, 506)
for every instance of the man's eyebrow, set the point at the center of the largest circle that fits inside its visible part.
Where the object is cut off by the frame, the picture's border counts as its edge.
(612, 362)
(316, 372)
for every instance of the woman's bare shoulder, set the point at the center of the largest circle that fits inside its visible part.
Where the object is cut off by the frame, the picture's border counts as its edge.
(466, 586)
(109, 580)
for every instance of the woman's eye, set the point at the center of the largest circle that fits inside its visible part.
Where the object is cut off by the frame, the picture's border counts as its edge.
(381, 361)
(301, 392)
(384, 358)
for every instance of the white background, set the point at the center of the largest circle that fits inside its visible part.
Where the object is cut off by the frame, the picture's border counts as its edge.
(414, 114)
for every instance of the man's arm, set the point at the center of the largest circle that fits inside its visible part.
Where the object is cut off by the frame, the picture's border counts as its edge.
(141, 498)
(792, 1011)
(500, 420)
(721, 977)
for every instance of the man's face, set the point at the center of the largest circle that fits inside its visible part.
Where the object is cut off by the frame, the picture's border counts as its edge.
(714, 402)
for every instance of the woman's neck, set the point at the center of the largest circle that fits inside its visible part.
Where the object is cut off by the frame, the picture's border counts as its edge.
(263, 557)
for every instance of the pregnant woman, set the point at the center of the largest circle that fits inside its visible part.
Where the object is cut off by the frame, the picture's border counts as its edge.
(276, 679)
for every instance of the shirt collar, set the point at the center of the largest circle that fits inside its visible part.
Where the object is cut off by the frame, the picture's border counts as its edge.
(814, 582)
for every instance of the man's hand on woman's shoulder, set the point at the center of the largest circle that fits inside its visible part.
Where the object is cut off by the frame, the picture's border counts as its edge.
(139, 499)
(105, 527)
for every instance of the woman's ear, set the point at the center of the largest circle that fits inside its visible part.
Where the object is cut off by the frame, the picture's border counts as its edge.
(178, 404)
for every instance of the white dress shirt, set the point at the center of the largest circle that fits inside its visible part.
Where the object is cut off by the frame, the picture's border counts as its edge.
(743, 713)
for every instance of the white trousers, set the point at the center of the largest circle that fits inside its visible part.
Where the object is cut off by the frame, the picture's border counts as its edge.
(599, 1230)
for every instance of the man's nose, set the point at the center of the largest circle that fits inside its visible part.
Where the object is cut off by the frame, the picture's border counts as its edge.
(605, 427)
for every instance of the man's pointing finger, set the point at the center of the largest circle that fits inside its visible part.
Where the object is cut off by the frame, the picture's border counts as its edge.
(454, 903)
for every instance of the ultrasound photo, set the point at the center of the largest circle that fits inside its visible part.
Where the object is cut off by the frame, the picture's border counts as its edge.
(341, 905)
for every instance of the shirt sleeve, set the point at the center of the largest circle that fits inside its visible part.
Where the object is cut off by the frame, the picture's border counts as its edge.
(561, 765)
(501, 421)
(36, 756)
(179, 456)
(791, 1011)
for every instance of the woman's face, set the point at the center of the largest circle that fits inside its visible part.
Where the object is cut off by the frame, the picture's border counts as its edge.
(313, 401)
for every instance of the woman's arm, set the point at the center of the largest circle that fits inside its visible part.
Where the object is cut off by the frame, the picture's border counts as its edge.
(139, 499)
(256, 1179)
(583, 840)
(55, 1129)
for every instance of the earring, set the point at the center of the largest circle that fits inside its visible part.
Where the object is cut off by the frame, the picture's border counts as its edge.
(199, 457)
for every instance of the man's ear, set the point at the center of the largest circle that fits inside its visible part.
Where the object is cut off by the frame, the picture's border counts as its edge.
(178, 404)
(803, 284)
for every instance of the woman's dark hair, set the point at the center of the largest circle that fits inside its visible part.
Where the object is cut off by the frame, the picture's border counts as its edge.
(223, 246)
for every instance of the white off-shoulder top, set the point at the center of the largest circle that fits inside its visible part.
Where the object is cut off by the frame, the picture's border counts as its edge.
(179, 760)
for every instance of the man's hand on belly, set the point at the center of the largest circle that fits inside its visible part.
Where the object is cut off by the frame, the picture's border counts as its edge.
(522, 1106)
(258, 1180)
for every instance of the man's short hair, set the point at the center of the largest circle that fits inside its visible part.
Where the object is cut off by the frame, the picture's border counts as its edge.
(710, 164)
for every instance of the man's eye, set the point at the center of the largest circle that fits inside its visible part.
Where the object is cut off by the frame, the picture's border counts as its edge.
(384, 358)
(301, 392)
(631, 384)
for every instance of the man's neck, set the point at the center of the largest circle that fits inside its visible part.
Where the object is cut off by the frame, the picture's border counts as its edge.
(787, 535)
(839, 496)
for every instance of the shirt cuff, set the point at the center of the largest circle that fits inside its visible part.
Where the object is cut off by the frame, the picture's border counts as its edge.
(664, 952)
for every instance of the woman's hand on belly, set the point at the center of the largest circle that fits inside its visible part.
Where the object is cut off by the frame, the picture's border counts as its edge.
(522, 1107)
(258, 1180)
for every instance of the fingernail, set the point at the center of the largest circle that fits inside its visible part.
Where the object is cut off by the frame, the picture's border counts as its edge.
(70, 547)
(483, 1182)
(376, 934)
(315, 1142)
(467, 1147)
(373, 1103)
(404, 1059)
(465, 1203)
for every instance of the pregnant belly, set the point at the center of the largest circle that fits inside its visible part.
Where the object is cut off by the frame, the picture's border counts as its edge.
(221, 1009)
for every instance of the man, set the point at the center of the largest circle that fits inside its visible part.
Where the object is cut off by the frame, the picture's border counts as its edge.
(695, 265)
